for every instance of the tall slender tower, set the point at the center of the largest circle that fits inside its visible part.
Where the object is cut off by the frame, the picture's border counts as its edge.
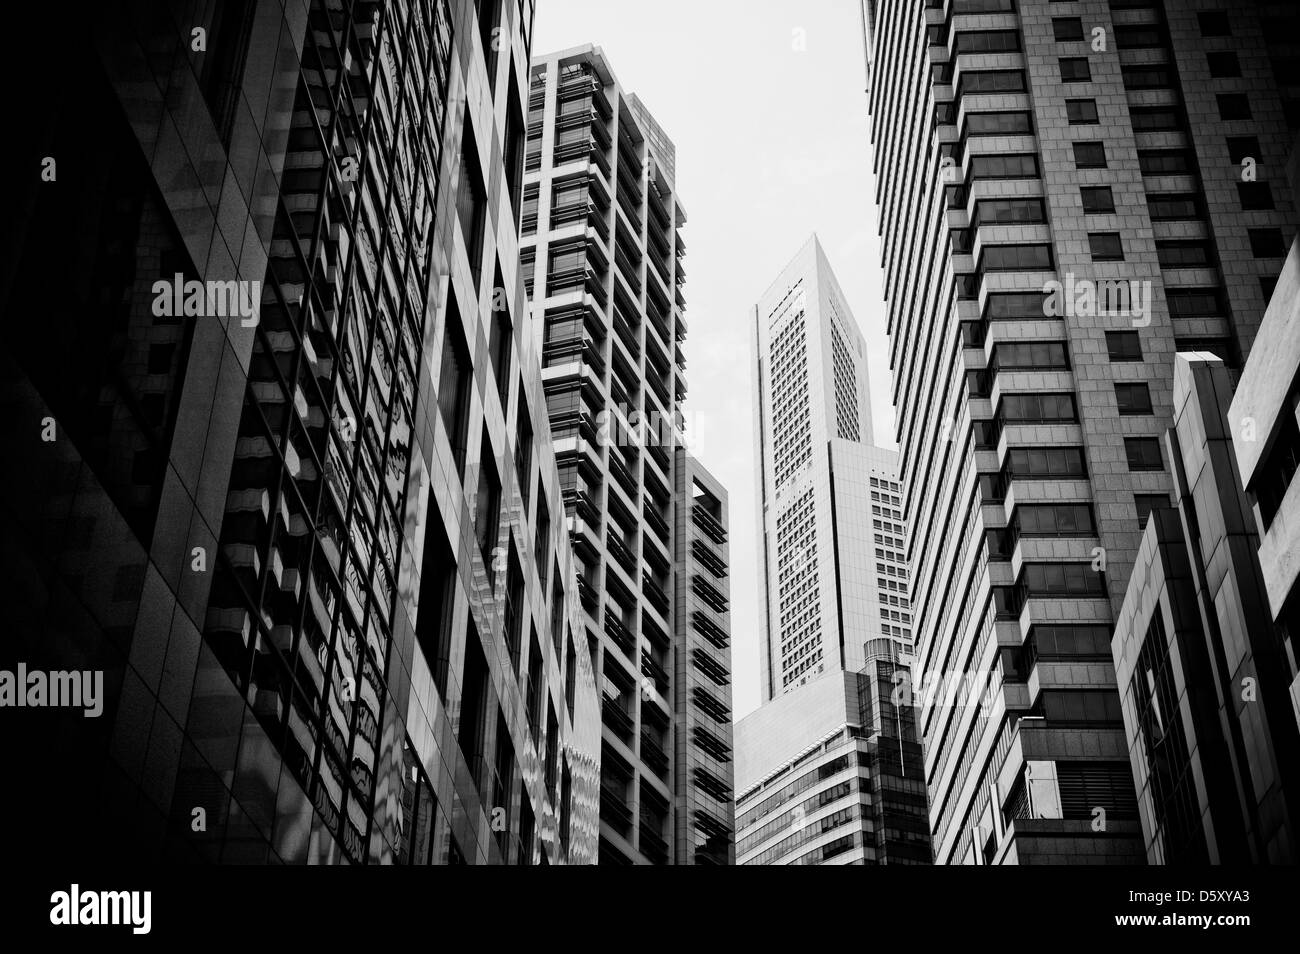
(602, 258)
(832, 572)
(1069, 193)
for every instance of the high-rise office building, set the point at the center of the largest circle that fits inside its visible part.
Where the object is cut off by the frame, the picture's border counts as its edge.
(285, 462)
(602, 259)
(832, 573)
(1068, 193)
(1204, 674)
(830, 773)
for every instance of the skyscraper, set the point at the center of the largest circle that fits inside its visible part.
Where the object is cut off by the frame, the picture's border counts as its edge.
(833, 576)
(602, 258)
(828, 768)
(284, 443)
(1068, 194)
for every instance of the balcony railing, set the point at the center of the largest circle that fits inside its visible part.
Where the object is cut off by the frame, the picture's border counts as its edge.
(653, 754)
(621, 552)
(653, 845)
(623, 637)
(614, 810)
(652, 669)
(654, 593)
(617, 719)
(656, 521)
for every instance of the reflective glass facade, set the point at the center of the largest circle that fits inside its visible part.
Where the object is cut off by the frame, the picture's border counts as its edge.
(312, 557)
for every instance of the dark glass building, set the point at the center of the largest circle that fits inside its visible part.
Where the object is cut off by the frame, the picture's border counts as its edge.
(280, 445)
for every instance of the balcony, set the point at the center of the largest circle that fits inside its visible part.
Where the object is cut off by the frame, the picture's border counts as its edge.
(653, 754)
(653, 670)
(617, 719)
(626, 333)
(614, 810)
(656, 521)
(589, 594)
(652, 843)
(621, 552)
(623, 637)
(583, 505)
(655, 594)
(622, 475)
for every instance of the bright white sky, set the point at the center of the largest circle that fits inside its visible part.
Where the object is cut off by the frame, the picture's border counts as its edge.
(772, 145)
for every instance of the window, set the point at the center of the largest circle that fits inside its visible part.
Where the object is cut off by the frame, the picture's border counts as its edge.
(1154, 118)
(991, 81)
(1266, 243)
(1255, 196)
(1146, 77)
(998, 124)
(487, 509)
(471, 734)
(454, 384)
(1143, 453)
(1224, 64)
(1067, 29)
(1214, 23)
(1221, 348)
(523, 448)
(1097, 200)
(1010, 355)
(1170, 206)
(1063, 580)
(1164, 162)
(1194, 302)
(501, 332)
(991, 41)
(1008, 211)
(1105, 247)
(1075, 69)
(471, 202)
(1038, 408)
(1123, 346)
(1015, 258)
(1081, 112)
(1243, 147)
(1132, 37)
(1089, 155)
(1233, 106)
(1003, 306)
(1133, 398)
(1145, 503)
(1019, 166)
(433, 623)
(542, 543)
(1054, 520)
(1183, 254)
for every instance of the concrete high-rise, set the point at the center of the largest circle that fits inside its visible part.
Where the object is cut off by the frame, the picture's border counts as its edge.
(1068, 194)
(1204, 674)
(602, 257)
(306, 541)
(832, 572)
